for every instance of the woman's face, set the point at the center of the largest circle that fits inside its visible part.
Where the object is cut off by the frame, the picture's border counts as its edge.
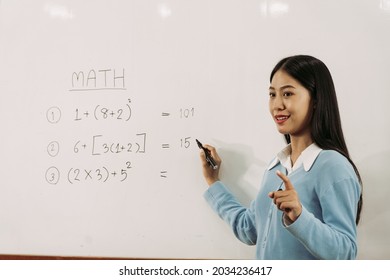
(290, 105)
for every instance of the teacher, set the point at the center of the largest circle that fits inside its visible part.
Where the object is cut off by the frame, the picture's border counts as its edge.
(310, 199)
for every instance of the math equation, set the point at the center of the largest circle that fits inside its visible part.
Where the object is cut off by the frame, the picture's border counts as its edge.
(99, 154)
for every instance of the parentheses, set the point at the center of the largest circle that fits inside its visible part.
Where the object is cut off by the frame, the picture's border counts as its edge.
(69, 175)
(128, 106)
(111, 148)
(94, 113)
(108, 174)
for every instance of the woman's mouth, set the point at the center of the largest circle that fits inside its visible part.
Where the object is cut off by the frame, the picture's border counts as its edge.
(281, 118)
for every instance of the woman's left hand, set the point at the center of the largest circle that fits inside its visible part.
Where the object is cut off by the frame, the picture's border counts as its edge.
(287, 200)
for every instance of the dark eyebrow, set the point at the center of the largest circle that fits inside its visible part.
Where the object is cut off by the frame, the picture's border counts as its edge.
(282, 87)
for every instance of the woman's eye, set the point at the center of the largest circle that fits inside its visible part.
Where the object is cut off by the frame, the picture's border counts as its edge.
(272, 94)
(287, 94)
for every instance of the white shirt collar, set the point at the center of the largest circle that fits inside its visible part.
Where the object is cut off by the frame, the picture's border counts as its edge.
(307, 158)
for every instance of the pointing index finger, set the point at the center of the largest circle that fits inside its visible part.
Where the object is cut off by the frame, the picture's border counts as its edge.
(285, 179)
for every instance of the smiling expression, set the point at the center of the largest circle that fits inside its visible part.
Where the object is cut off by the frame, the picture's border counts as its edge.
(290, 105)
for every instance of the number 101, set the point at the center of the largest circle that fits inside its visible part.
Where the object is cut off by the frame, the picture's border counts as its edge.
(187, 113)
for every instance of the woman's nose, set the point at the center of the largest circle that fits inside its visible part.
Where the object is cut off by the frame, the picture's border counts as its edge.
(278, 103)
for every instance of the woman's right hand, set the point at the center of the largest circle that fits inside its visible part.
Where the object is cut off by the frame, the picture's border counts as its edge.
(211, 175)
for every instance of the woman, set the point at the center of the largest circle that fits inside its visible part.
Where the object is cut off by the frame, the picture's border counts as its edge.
(310, 199)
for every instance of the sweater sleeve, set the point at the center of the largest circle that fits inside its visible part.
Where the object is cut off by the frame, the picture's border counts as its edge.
(335, 236)
(239, 218)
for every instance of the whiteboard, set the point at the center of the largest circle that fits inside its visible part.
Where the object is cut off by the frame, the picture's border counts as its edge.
(101, 102)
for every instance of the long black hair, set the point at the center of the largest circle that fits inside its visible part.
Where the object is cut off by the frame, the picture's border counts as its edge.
(326, 129)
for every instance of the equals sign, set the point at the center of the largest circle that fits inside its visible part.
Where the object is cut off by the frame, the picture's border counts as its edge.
(163, 174)
(164, 114)
(165, 146)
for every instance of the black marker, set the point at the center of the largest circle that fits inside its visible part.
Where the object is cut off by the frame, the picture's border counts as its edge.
(209, 158)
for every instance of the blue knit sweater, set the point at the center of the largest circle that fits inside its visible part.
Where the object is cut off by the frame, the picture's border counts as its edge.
(329, 192)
